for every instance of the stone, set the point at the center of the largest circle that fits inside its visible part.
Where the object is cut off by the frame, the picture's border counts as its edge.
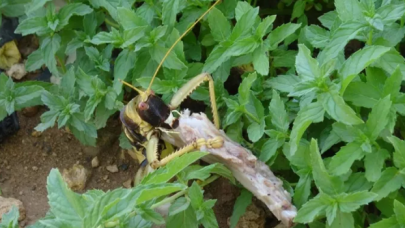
(17, 71)
(35, 168)
(112, 168)
(7, 203)
(127, 184)
(76, 177)
(30, 112)
(95, 162)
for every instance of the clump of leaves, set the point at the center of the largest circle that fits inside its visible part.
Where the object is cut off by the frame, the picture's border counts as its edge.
(136, 207)
(10, 219)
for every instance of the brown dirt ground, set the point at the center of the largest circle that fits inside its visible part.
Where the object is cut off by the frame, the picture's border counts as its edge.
(58, 149)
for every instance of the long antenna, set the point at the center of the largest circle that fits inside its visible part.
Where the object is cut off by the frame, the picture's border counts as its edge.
(132, 87)
(178, 40)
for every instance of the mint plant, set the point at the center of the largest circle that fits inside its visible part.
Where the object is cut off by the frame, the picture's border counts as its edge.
(10, 219)
(328, 121)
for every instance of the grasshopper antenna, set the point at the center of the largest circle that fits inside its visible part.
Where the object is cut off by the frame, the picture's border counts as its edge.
(142, 93)
(178, 40)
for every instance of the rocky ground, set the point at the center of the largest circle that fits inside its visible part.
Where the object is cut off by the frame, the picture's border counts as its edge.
(27, 157)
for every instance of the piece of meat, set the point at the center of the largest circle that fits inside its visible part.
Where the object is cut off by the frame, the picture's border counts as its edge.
(253, 174)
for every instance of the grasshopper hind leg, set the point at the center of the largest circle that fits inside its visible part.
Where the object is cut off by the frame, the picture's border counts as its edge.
(189, 87)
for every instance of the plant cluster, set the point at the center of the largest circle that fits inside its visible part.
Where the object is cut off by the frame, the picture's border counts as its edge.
(329, 122)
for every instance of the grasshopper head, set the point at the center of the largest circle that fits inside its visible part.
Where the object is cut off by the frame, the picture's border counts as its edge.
(152, 109)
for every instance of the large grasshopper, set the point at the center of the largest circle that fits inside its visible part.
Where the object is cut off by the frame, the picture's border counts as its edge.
(149, 122)
(146, 116)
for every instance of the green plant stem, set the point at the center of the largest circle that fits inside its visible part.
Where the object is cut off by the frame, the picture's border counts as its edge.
(253, 117)
(109, 22)
(370, 38)
(169, 199)
(181, 193)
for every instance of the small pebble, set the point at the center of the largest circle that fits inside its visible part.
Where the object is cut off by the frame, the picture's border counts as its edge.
(21, 193)
(95, 162)
(54, 154)
(112, 168)
(34, 168)
(105, 177)
(127, 184)
(36, 133)
(8, 167)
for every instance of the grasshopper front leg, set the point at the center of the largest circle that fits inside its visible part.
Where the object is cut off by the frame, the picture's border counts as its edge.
(189, 87)
(216, 142)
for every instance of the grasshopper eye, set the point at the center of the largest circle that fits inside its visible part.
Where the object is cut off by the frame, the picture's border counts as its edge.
(143, 106)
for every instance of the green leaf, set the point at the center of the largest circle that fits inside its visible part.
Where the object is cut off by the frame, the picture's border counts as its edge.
(196, 194)
(279, 117)
(362, 94)
(49, 47)
(303, 189)
(345, 157)
(392, 85)
(399, 210)
(244, 24)
(181, 204)
(357, 182)
(185, 218)
(123, 64)
(128, 19)
(391, 12)
(399, 154)
(390, 61)
(348, 9)
(298, 9)
(65, 204)
(352, 201)
(169, 12)
(244, 88)
(342, 219)
(33, 25)
(386, 223)
(323, 180)
(374, 163)
(35, 60)
(281, 33)
(263, 27)
(10, 219)
(336, 107)
(317, 36)
(313, 208)
(313, 113)
(261, 61)
(241, 203)
(172, 61)
(307, 67)
(328, 19)
(269, 149)
(255, 131)
(378, 118)
(359, 61)
(150, 215)
(390, 181)
(346, 32)
(67, 11)
(219, 25)
(283, 83)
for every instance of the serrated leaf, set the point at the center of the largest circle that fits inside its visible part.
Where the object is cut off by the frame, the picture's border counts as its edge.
(64, 203)
(345, 220)
(378, 118)
(392, 85)
(269, 149)
(298, 9)
(67, 11)
(348, 9)
(323, 180)
(361, 94)
(317, 36)
(390, 181)
(311, 209)
(241, 203)
(178, 206)
(185, 218)
(283, 83)
(352, 201)
(10, 218)
(219, 25)
(169, 12)
(390, 61)
(386, 223)
(261, 61)
(307, 67)
(346, 32)
(359, 61)
(345, 157)
(313, 113)
(374, 163)
(281, 33)
(399, 154)
(123, 64)
(357, 182)
(279, 117)
(33, 25)
(399, 210)
(336, 107)
(303, 189)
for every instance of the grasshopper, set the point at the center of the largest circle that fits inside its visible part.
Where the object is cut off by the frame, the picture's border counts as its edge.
(146, 116)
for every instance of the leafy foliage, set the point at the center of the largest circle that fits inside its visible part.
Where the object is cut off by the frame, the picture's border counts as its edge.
(329, 121)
